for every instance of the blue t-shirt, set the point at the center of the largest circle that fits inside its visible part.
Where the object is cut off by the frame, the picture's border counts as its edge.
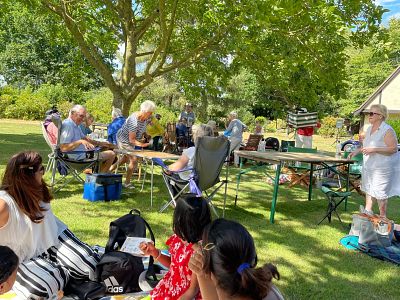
(113, 128)
(70, 132)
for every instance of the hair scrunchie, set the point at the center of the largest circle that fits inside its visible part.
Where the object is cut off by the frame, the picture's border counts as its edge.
(242, 267)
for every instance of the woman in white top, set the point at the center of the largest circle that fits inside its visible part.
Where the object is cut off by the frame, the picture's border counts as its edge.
(225, 265)
(186, 160)
(234, 131)
(49, 254)
(380, 172)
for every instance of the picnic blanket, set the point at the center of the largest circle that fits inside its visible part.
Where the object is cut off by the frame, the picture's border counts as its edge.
(390, 254)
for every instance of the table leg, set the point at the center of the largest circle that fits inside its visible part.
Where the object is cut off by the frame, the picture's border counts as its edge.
(145, 172)
(310, 184)
(238, 178)
(151, 183)
(275, 194)
(347, 185)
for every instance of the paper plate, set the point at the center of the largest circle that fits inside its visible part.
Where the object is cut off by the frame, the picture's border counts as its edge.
(350, 242)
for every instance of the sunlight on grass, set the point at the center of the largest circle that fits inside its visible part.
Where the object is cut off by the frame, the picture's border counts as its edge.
(312, 263)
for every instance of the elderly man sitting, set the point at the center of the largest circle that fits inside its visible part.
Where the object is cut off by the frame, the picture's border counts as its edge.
(73, 139)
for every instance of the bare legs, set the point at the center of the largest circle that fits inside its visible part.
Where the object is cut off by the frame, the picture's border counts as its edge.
(382, 204)
(131, 160)
(107, 158)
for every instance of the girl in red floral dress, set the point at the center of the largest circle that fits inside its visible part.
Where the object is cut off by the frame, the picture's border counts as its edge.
(191, 216)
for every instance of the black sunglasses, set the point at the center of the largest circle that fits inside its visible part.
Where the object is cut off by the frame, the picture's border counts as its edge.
(371, 113)
(34, 170)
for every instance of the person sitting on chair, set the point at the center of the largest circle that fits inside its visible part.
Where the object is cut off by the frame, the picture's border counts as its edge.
(186, 160)
(117, 121)
(188, 114)
(73, 139)
(213, 125)
(130, 134)
(49, 253)
(155, 131)
(85, 125)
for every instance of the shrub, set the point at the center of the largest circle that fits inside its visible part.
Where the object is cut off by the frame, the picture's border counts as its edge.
(58, 93)
(99, 104)
(328, 127)
(28, 106)
(396, 126)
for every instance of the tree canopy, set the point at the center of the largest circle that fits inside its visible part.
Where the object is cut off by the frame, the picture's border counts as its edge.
(35, 49)
(296, 48)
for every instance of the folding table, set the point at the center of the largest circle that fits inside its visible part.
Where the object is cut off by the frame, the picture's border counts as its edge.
(317, 161)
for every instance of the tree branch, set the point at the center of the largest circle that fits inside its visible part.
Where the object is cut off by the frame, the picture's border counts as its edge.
(89, 51)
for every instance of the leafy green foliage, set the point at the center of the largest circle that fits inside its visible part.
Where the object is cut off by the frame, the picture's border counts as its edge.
(328, 127)
(395, 123)
(35, 49)
(294, 48)
(27, 106)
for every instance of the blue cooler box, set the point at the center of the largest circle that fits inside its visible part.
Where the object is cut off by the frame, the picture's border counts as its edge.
(102, 186)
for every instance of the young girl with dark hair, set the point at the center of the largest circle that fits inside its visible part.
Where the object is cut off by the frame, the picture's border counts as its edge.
(8, 269)
(191, 216)
(49, 254)
(225, 265)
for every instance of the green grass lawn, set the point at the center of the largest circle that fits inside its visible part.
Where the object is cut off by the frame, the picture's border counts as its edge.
(312, 263)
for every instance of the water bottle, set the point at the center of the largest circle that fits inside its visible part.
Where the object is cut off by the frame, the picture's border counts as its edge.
(338, 149)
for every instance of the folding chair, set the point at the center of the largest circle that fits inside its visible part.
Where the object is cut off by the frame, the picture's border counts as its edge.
(355, 172)
(300, 172)
(170, 142)
(252, 142)
(332, 203)
(51, 155)
(210, 156)
(67, 166)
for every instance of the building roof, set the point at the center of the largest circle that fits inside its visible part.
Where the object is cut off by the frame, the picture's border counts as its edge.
(379, 90)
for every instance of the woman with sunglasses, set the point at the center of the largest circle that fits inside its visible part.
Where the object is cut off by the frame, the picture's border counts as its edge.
(225, 265)
(380, 172)
(49, 254)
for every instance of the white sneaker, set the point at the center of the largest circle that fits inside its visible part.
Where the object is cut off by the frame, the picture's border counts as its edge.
(128, 186)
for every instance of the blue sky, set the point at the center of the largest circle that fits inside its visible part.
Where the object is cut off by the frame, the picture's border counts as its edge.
(393, 6)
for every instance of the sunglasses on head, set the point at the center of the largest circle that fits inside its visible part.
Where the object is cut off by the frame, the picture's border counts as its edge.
(371, 113)
(34, 170)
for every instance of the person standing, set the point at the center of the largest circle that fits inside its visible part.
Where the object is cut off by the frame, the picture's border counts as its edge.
(380, 174)
(234, 132)
(128, 137)
(188, 114)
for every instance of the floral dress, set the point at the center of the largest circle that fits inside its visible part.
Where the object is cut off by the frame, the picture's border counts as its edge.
(177, 280)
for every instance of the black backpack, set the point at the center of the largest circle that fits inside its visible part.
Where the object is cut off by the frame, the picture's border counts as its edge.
(118, 270)
(272, 143)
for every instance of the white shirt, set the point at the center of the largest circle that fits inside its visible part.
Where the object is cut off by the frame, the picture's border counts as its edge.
(26, 238)
(189, 152)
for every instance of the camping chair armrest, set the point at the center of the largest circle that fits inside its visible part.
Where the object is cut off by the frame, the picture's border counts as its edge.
(160, 162)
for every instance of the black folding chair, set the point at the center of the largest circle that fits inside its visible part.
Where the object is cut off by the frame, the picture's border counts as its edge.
(69, 168)
(332, 202)
(210, 156)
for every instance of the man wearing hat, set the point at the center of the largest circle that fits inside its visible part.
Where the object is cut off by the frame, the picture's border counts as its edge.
(188, 114)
